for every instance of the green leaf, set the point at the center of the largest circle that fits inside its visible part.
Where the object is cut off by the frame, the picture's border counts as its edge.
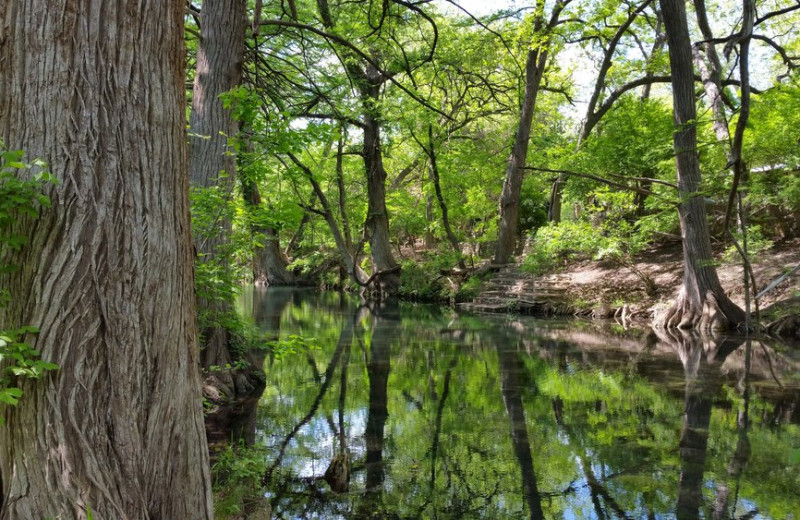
(13, 391)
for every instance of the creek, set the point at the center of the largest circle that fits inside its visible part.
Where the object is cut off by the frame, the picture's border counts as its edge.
(415, 411)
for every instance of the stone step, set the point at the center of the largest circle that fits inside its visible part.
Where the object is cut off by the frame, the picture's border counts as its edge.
(493, 301)
(477, 307)
(530, 285)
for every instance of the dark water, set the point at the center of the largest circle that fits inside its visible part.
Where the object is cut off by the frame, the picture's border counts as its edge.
(440, 415)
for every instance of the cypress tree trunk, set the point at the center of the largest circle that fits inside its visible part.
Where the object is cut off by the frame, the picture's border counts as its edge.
(219, 62)
(377, 221)
(96, 89)
(701, 302)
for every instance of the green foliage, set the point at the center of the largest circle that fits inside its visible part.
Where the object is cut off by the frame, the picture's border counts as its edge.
(291, 345)
(424, 281)
(419, 282)
(19, 361)
(471, 288)
(757, 244)
(554, 245)
(21, 194)
(22, 188)
(217, 275)
(236, 474)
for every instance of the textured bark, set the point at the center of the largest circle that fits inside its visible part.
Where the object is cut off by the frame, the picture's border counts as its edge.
(377, 221)
(96, 89)
(220, 54)
(512, 185)
(701, 302)
(271, 262)
(211, 162)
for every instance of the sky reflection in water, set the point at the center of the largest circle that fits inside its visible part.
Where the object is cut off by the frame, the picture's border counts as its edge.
(447, 416)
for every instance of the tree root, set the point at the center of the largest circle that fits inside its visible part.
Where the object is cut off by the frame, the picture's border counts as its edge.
(708, 315)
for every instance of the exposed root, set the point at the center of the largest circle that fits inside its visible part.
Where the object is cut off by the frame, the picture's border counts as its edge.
(705, 315)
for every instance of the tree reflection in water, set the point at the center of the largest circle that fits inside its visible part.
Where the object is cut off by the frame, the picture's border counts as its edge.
(510, 367)
(445, 416)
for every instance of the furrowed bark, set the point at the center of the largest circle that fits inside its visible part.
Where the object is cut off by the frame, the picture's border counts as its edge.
(97, 91)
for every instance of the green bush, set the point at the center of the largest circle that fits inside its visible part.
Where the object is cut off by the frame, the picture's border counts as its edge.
(757, 244)
(236, 473)
(424, 281)
(556, 244)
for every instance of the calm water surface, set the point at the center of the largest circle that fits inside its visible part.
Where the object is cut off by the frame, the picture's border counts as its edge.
(414, 411)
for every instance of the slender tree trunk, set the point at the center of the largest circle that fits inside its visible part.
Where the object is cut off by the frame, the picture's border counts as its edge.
(429, 240)
(434, 171)
(515, 171)
(701, 302)
(106, 275)
(711, 73)
(220, 54)
(348, 236)
(354, 271)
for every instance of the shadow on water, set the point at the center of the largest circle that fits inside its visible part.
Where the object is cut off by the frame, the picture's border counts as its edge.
(415, 412)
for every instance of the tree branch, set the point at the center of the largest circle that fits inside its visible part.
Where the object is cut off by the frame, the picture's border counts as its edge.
(609, 182)
(361, 54)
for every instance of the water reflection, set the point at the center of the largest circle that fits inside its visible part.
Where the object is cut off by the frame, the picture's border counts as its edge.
(413, 412)
(511, 373)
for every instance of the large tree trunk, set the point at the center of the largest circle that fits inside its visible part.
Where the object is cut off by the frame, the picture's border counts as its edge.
(369, 82)
(211, 162)
(701, 302)
(107, 272)
(377, 221)
(515, 171)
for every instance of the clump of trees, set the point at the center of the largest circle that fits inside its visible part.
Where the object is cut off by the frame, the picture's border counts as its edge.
(392, 138)
(386, 147)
